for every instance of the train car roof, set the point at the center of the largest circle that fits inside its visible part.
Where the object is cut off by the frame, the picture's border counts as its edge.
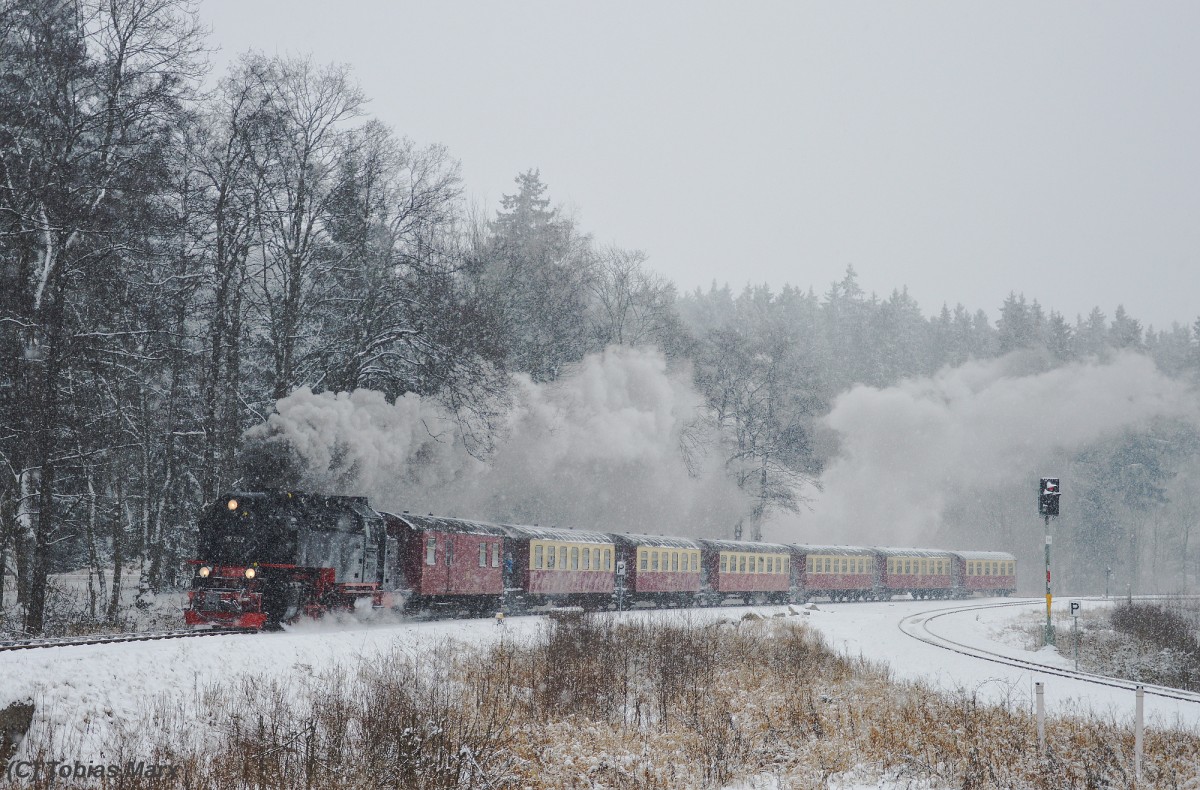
(806, 548)
(893, 551)
(458, 526)
(744, 545)
(564, 534)
(984, 555)
(659, 541)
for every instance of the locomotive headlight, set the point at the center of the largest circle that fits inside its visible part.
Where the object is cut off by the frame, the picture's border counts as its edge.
(250, 573)
(204, 571)
(232, 504)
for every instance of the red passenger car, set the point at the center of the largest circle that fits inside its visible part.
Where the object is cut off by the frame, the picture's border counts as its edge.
(843, 573)
(755, 572)
(985, 572)
(559, 566)
(658, 570)
(446, 563)
(924, 573)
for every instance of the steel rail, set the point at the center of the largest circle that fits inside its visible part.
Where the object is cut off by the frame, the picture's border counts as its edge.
(104, 639)
(917, 626)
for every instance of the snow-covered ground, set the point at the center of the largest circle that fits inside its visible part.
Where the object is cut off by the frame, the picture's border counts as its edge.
(67, 605)
(85, 690)
(872, 630)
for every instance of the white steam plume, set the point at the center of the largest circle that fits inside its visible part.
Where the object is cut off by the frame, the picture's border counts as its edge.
(910, 452)
(605, 448)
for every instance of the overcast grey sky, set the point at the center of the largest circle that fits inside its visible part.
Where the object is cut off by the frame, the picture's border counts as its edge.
(963, 149)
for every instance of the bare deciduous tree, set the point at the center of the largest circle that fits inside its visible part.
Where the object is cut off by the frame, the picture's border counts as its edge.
(297, 153)
(630, 305)
(89, 92)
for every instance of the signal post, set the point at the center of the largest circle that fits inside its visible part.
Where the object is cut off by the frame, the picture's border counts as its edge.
(1048, 496)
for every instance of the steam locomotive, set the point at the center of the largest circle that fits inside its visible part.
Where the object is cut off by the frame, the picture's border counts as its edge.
(267, 558)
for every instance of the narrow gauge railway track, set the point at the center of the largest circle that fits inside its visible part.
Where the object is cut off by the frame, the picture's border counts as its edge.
(917, 627)
(909, 625)
(104, 639)
(151, 636)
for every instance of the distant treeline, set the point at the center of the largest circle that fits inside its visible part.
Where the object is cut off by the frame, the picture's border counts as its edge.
(173, 261)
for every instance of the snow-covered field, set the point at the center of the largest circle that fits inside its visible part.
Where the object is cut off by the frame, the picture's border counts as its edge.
(85, 691)
(872, 631)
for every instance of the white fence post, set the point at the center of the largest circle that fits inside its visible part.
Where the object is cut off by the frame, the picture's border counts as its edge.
(1041, 714)
(1137, 734)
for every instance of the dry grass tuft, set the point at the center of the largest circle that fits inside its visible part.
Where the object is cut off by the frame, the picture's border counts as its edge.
(635, 704)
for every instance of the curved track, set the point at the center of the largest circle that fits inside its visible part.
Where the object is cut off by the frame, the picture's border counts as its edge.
(917, 627)
(149, 636)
